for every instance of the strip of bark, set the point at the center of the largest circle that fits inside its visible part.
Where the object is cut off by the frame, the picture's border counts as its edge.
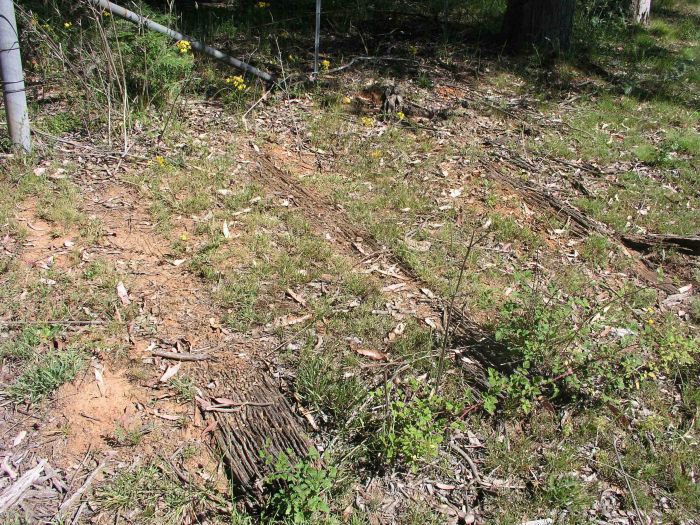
(687, 244)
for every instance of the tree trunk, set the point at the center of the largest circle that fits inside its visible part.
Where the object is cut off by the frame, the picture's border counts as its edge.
(640, 11)
(544, 23)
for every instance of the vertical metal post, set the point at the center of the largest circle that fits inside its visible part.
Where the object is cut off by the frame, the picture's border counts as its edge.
(317, 40)
(12, 78)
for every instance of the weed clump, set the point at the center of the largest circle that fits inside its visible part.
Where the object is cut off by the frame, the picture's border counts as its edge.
(414, 428)
(298, 492)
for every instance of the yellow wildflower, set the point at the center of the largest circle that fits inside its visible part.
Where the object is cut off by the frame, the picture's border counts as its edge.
(650, 321)
(325, 65)
(367, 122)
(262, 5)
(238, 82)
(184, 46)
(347, 100)
(160, 160)
(67, 25)
(106, 13)
(376, 153)
(183, 237)
(400, 115)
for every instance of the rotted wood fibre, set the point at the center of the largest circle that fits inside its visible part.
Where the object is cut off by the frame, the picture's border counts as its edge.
(262, 420)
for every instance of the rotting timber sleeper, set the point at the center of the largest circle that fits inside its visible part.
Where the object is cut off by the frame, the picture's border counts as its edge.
(263, 421)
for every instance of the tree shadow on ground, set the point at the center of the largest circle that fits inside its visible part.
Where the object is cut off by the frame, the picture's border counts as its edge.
(408, 42)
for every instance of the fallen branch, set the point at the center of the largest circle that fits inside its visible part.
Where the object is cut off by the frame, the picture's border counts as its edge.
(537, 196)
(487, 485)
(688, 244)
(582, 225)
(176, 356)
(15, 492)
(232, 407)
(75, 498)
(368, 59)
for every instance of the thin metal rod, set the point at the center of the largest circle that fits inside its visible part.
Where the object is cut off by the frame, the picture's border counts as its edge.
(175, 35)
(13, 78)
(317, 38)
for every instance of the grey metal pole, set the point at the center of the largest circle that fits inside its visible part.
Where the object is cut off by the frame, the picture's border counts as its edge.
(12, 78)
(154, 26)
(317, 39)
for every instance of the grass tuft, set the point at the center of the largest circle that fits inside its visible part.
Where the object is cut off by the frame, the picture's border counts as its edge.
(43, 377)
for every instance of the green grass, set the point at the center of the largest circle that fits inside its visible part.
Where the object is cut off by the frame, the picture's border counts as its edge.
(46, 374)
(572, 391)
(127, 437)
(596, 249)
(153, 494)
(24, 346)
(643, 110)
(62, 122)
(321, 385)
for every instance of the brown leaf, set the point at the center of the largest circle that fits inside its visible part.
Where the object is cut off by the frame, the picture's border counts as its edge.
(359, 248)
(289, 320)
(393, 287)
(19, 438)
(209, 428)
(168, 417)
(225, 402)
(418, 246)
(99, 378)
(299, 299)
(372, 354)
(396, 332)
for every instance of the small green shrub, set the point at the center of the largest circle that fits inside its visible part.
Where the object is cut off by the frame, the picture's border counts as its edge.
(415, 428)
(695, 310)
(126, 437)
(185, 388)
(62, 122)
(298, 492)
(155, 69)
(556, 351)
